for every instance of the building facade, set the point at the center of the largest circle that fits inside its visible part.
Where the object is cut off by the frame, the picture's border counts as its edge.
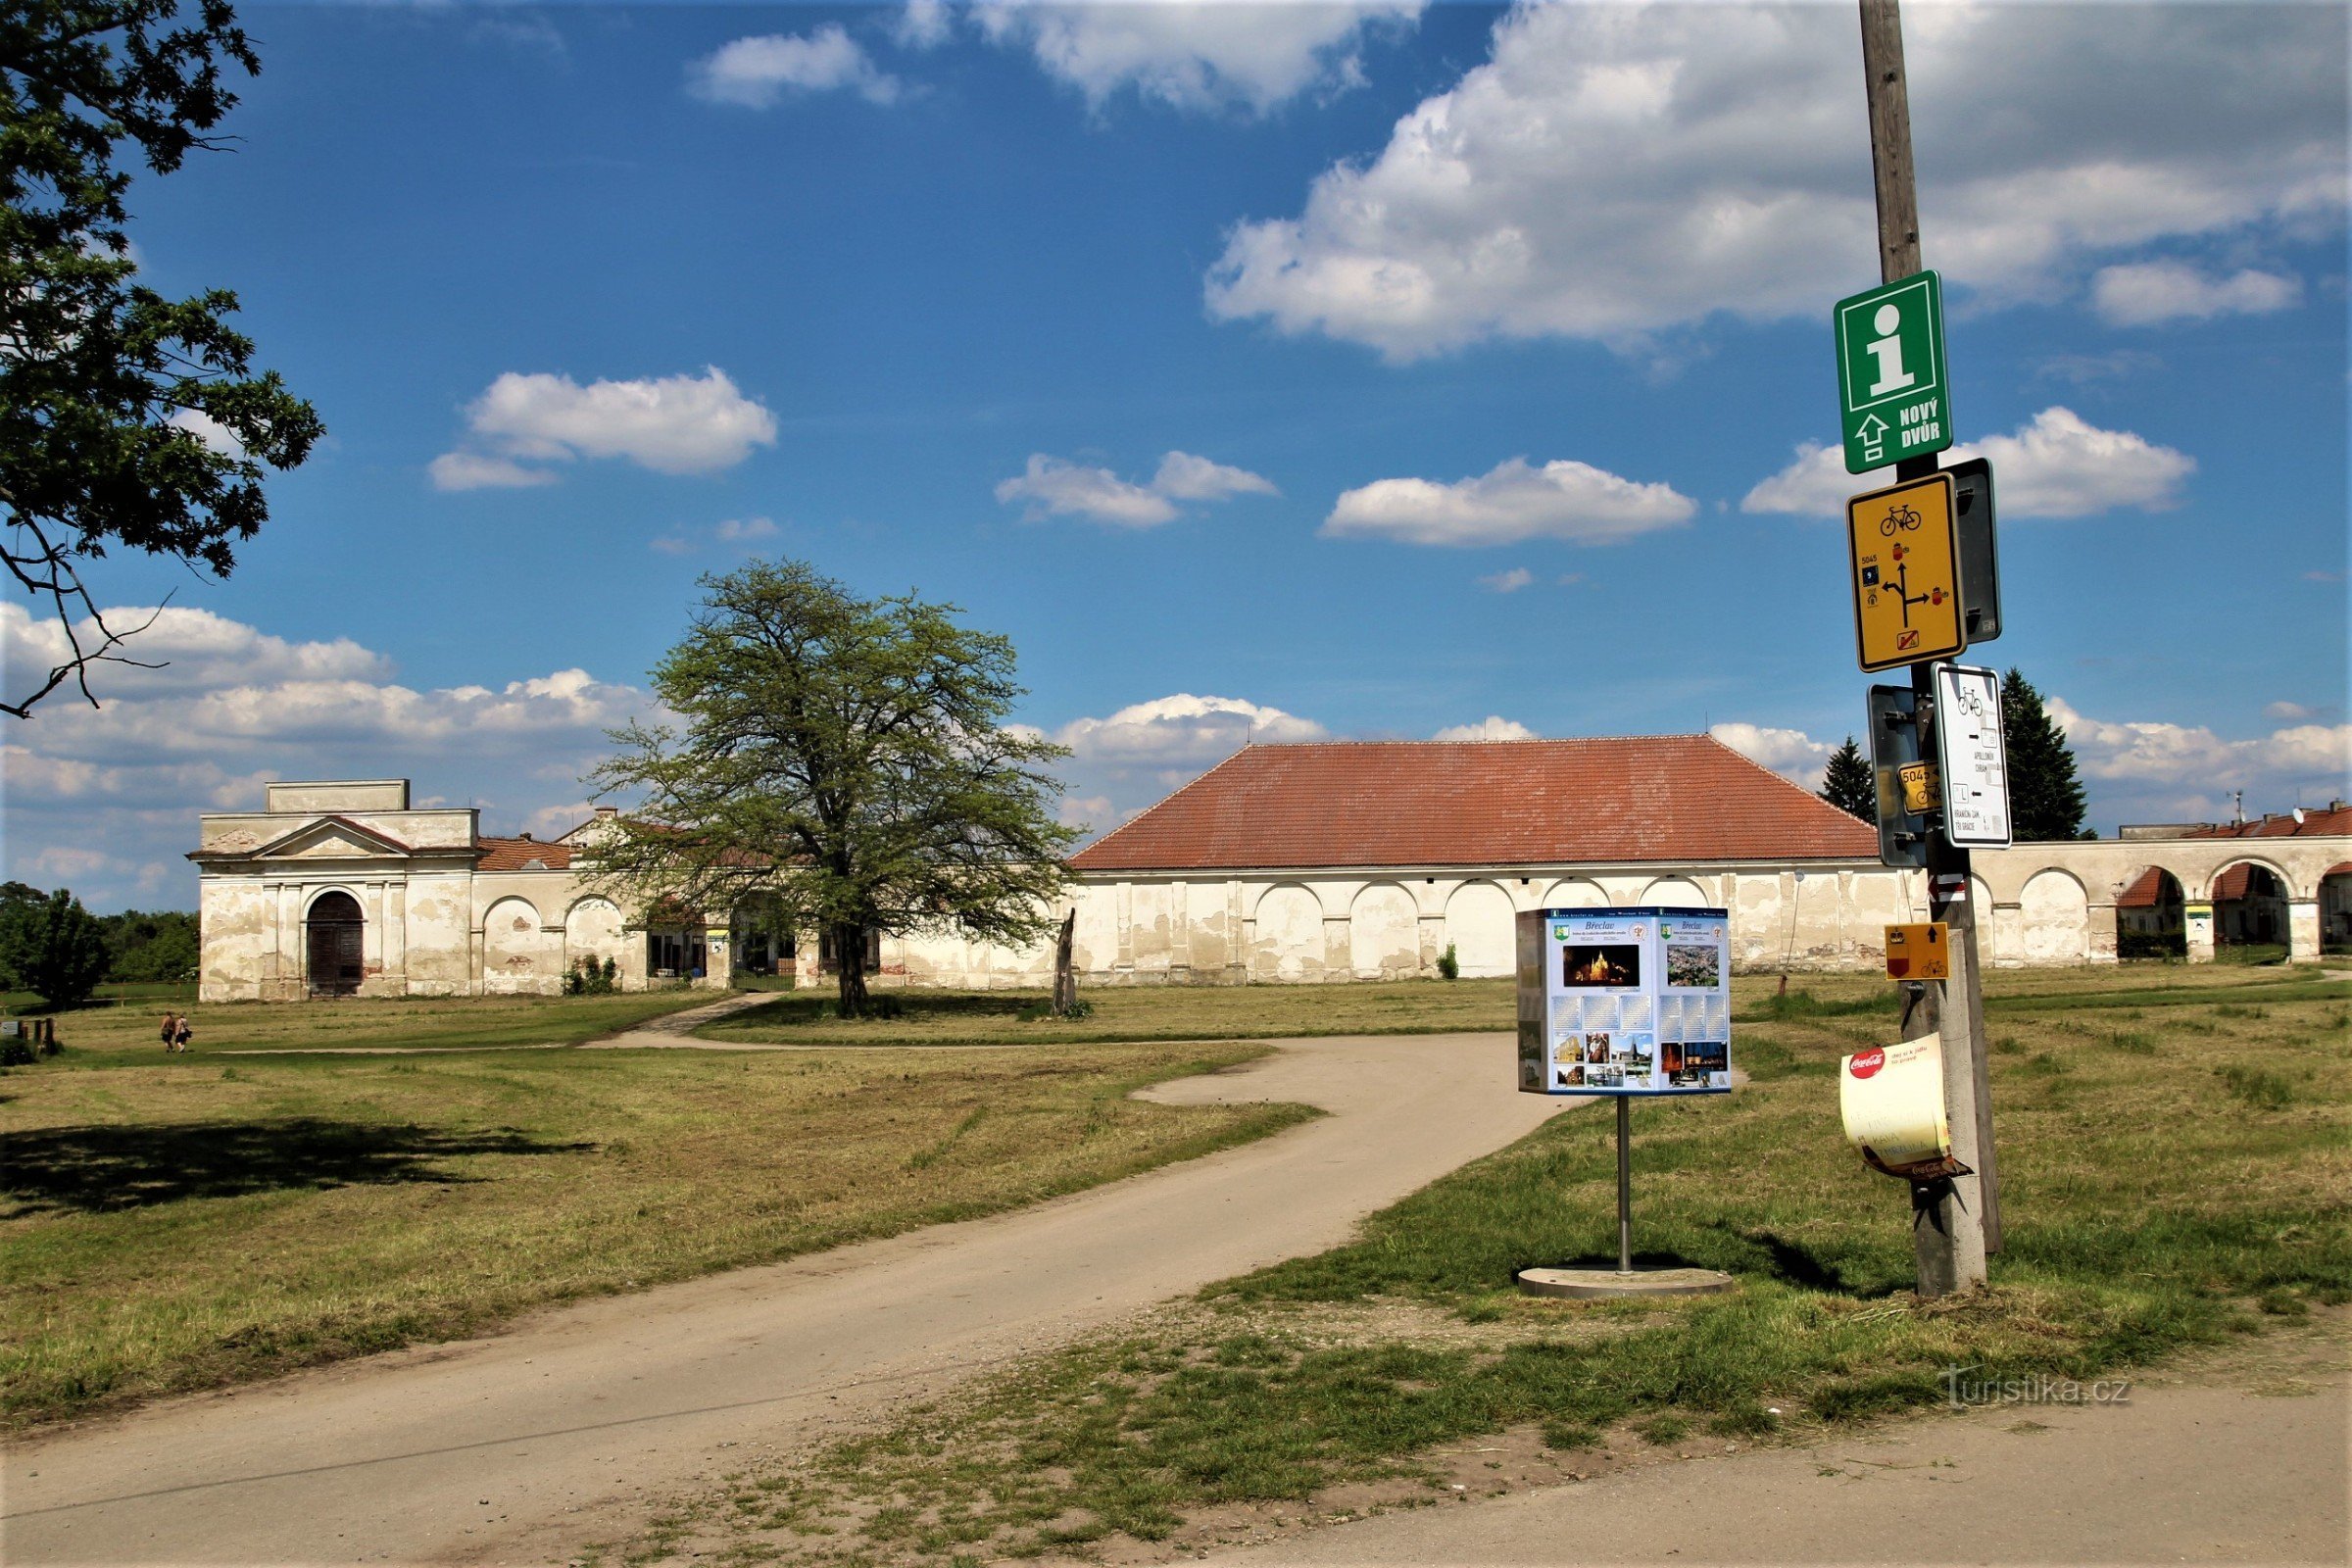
(1329, 861)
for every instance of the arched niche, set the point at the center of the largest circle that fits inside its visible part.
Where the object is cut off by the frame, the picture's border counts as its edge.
(1479, 925)
(1288, 943)
(1384, 933)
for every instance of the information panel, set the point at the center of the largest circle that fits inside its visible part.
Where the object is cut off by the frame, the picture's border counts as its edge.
(1625, 1001)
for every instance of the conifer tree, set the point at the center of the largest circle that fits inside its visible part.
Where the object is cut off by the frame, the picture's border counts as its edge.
(1849, 785)
(2045, 799)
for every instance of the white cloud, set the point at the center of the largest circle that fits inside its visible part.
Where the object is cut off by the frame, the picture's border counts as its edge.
(1509, 504)
(2057, 464)
(758, 71)
(1181, 730)
(1200, 55)
(670, 424)
(1122, 765)
(475, 471)
(1053, 486)
(2287, 710)
(1790, 752)
(922, 25)
(1614, 170)
(1186, 477)
(1508, 582)
(1049, 486)
(2143, 750)
(235, 707)
(2145, 293)
(1493, 727)
(209, 430)
(740, 532)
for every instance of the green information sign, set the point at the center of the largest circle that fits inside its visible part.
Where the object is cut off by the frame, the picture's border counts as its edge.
(1893, 394)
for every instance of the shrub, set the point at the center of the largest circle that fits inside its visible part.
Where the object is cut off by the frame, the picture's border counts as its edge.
(588, 978)
(1450, 967)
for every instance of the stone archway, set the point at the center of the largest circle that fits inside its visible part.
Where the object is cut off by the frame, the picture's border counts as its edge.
(2335, 909)
(2151, 916)
(334, 943)
(2250, 913)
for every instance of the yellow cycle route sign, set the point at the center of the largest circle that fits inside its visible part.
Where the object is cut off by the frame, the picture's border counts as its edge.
(1906, 574)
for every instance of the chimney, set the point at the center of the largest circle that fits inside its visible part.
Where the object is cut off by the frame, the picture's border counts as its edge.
(604, 812)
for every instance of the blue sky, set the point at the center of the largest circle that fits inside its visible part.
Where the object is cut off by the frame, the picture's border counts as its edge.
(594, 300)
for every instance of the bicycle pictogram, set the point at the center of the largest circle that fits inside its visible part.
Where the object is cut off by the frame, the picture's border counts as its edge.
(1905, 518)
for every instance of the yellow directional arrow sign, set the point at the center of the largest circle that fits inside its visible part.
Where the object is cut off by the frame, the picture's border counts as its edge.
(1905, 573)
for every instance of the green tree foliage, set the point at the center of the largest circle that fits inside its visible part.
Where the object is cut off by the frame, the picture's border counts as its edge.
(52, 947)
(161, 946)
(847, 758)
(2045, 799)
(1848, 784)
(108, 389)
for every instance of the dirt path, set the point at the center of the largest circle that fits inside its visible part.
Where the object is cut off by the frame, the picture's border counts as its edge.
(2248, 1468)
(524, 1446)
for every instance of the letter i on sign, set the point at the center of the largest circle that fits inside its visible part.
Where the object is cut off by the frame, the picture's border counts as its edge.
(1887, 349)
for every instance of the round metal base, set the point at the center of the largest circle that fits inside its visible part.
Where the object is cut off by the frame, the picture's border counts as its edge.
(1601, 1282)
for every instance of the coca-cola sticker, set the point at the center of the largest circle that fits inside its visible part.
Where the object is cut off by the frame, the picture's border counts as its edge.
(1863, 1063)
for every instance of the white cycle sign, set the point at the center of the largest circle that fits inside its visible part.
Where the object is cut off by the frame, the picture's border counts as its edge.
(1975, 762)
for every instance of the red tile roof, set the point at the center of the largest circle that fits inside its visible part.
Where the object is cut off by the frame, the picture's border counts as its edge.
(2316, 820)
(512, 854)
(1678, 799)
(2147, 891)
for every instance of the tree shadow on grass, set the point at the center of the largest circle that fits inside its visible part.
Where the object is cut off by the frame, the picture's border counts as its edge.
(100, 1170)
(891, 1006)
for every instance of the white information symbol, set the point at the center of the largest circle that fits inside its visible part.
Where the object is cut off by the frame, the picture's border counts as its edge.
(1887, 349)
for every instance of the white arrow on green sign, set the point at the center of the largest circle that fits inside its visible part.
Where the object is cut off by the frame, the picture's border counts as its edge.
(1893, 391)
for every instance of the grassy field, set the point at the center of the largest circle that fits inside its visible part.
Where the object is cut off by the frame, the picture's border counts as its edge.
(2176, 1168)
(1266, 1012)
(174, 1223)
(126, 1032)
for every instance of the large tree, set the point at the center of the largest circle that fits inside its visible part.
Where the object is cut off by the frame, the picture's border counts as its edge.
(51, 946)
(2045, 799)
(846, 758)
(126, 418)
(1849, 784)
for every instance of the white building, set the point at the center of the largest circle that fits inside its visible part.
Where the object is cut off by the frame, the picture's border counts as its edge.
(1328, 861)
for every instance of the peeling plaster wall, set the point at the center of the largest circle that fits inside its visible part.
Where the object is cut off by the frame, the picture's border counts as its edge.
(436, 926)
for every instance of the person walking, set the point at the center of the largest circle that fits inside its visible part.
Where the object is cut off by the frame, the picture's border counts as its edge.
(170, 1030)
(185, 1032)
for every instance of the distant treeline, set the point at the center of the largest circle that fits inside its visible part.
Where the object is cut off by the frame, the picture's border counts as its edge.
(139, 944)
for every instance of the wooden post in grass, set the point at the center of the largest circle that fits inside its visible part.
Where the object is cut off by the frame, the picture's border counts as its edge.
(1065, 976)
(1953, 1224)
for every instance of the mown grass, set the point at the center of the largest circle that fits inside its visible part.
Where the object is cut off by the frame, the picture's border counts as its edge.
(1410, 1006)
(2161, 1183)
(184, 1222)
(126, 1031)
(1129, 1012)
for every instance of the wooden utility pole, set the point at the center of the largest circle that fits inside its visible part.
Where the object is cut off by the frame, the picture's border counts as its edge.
(1955, 1220)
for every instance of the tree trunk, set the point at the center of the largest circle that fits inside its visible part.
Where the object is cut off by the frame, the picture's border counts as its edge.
(1066, 979)
(849, 970)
